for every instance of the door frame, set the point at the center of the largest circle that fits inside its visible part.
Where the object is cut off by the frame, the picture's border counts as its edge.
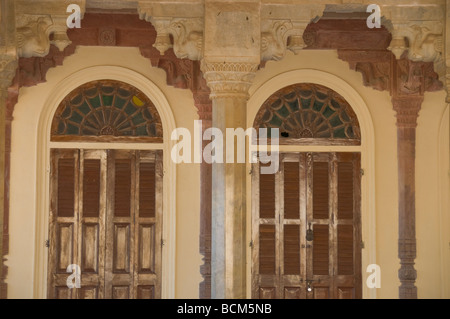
(261, 92)
(151, 90)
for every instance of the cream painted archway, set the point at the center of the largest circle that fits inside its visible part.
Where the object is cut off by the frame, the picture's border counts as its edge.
(58, 93)
(367, 149)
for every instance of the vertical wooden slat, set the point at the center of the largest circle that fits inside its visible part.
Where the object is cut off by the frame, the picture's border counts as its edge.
(291, 190)
(320, 190)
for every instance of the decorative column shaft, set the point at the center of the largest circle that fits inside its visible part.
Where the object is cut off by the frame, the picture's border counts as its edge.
(229, 84)
(407, 109)
(204, 106)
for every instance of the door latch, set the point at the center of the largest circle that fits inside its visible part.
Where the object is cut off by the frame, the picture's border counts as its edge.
(309, 233)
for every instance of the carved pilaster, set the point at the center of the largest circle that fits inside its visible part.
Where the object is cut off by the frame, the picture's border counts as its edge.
(407, 108)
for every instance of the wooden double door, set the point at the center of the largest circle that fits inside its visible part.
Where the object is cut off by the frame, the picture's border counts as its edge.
(105, 220)
(306, 228)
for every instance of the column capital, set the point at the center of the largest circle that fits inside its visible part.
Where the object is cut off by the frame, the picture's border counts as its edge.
(229, 79)
(407, 108)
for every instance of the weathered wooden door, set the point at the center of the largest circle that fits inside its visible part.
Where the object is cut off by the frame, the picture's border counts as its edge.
(105, 218)
(306, 227)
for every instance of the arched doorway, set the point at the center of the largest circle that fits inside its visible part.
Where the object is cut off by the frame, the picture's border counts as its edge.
(306, 218)
(106, 214)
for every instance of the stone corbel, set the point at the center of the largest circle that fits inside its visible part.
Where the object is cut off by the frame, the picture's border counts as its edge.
(418, 31)
(187, 35)
(35, 34)
(279, 35)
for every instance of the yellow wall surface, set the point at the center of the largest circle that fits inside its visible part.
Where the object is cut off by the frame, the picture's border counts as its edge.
(432, 208)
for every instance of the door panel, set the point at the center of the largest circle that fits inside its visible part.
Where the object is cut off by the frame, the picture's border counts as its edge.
(306, 227)
(104, 220)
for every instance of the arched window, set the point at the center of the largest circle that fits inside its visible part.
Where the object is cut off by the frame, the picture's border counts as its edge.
(107, 111)
(106, 201)
(309, 113)
(306, 217)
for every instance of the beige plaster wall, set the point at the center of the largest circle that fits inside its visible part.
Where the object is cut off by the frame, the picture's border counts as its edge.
(24, 158)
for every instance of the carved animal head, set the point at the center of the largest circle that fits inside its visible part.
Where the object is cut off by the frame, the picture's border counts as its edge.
(33, 38)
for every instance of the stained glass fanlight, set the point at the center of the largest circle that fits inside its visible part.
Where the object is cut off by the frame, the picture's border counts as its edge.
(308, 113)
(107, 110)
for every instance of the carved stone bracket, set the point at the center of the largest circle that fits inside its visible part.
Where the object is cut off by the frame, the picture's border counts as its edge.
(187, 35)
(419, 31)
(39, 25)
(282, 28)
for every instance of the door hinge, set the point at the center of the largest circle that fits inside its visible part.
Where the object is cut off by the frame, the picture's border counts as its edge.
(163, 242)
(361, 172)
(362, 244)
(251, 244)
(47, 243)
(250, 172)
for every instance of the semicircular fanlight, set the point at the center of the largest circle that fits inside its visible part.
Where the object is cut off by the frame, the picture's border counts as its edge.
(309, 111)
(107, 110)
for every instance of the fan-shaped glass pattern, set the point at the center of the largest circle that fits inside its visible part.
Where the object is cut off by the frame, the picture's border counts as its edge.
(107, 110)
(309, 111)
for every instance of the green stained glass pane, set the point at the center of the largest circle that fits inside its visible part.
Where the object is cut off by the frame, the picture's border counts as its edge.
(76, 117)
(138, 119)
(293, 105)
(119, 102)
(72, 130)
(77, 100)
(84, 108)
(107, 100)
(339, 133)
(306, 104)
(283, 112)
(328, 112)
(317, 106)
(275, 121)
(130, 109)
(335, 121)
(95, 102)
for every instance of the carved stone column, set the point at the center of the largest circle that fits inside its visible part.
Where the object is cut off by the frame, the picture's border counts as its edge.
(229, 84)
(407, 109)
